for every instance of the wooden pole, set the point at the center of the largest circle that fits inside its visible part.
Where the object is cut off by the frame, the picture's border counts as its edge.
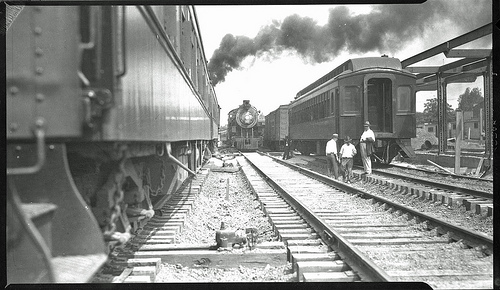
(458, 141)
(481, 126)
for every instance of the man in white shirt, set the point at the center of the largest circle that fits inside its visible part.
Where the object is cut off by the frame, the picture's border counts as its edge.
(366, 146)
(332, 159)
(347, 153)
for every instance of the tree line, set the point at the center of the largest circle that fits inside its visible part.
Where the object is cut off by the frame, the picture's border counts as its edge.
(466, 102)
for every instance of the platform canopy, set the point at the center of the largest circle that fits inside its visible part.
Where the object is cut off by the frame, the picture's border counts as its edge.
(470, 64)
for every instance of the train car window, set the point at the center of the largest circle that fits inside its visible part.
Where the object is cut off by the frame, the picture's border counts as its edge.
(352, 99)
(332, 105)
(404, 103)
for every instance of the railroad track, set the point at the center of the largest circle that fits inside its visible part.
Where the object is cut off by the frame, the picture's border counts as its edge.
(477, 201)
(377, 239)
(139, 260)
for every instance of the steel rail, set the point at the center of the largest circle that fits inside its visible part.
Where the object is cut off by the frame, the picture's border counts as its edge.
(347, 251)
(455, 232)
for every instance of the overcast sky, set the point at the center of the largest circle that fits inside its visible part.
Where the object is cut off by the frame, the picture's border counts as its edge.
(278, 50)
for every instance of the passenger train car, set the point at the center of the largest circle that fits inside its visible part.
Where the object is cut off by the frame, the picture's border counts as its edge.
(374, 89)
(276, 129)
(109, 109)
(244, 129)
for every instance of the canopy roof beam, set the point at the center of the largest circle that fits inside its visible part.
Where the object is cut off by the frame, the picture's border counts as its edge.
(468, 53)
(447, 46)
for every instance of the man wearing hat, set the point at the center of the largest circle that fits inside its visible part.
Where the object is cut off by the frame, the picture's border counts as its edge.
(347, 153)
(332, 160)
(366, 146)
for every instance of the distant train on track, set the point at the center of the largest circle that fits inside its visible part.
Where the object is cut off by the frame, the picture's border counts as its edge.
(374, 89)
(109, 109)
(245, 130)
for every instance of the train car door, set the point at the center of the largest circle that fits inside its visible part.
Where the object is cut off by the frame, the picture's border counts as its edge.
(378, 102)
(351, 107)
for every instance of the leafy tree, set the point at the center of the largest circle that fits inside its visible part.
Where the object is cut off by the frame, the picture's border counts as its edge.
(469, 98)
(431, 111)
(420, 117)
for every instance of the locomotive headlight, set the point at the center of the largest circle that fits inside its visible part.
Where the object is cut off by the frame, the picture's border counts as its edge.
(247, 118)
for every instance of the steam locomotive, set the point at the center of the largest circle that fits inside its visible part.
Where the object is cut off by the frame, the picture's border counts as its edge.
(245, 130)
(374, 89)
(109, 110)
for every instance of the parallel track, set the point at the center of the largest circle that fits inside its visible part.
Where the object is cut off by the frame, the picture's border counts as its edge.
(356, 233)
(475, 200)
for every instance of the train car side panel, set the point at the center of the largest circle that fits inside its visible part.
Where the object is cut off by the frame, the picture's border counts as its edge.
(38, 88)
(160, 108)
(314, 130)
(283, 122)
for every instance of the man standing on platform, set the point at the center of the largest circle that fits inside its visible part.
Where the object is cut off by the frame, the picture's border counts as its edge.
(366, 146)
(332, 159)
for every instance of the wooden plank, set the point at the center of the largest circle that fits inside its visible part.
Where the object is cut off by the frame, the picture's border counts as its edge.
(303, 257)
(342, 225)
(120, 279)
(320, 266)
(479, 167)
(292, 243)
(177, 247)
(150, 271)
(440, 167)
(371, 230)
(285, 237)
(223, 259)
(295, 231)
(439, 273)
(138, 279)
(382, 236)
(396, 241)
(347, 276)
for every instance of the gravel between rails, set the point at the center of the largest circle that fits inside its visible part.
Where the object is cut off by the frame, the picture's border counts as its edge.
(457, 215)
(177, 273)
(240, 211)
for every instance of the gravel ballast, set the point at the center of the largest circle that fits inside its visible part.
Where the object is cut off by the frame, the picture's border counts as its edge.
(239, 209)
(457, 215)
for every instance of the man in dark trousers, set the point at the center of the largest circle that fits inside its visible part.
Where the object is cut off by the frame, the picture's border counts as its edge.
(332, 159)
(286, 154)
(366, 146)
(347, 153)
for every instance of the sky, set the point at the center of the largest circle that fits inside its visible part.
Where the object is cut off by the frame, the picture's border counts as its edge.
(266, 54)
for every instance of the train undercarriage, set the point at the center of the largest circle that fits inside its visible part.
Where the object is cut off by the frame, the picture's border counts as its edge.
(79, 200)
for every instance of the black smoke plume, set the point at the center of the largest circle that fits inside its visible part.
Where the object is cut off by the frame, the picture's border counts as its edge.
(386, 28)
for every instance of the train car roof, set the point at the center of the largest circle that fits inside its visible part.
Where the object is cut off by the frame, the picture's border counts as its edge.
(369, 62)
(275, 110)
(353, 65)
